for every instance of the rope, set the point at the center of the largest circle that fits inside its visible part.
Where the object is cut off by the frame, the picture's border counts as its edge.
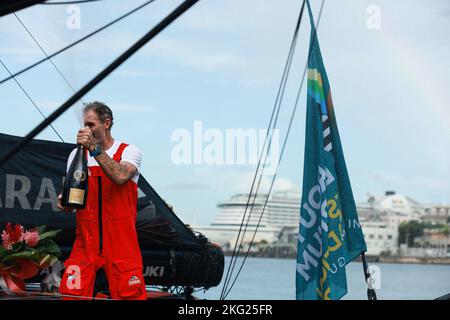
(49, 59)
(71, 2)
(280, 158)
(275, 112)
(371, 294)
(45, 53)
(28, 96)
(186, 5)
(77, 41)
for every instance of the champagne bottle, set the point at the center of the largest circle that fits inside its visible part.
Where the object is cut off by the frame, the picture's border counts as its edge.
(75, 187)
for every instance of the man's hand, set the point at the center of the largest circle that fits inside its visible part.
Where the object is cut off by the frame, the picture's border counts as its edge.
(84, 137)
(61, 207)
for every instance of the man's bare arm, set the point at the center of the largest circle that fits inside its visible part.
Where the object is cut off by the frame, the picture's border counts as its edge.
(119, 173)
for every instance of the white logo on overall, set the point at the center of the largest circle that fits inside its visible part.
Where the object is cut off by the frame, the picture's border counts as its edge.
(133, 281)
(73, 279)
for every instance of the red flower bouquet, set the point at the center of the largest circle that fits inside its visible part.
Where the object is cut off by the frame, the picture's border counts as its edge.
(23, 253)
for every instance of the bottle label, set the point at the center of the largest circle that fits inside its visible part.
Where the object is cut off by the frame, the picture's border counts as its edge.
(76, 196)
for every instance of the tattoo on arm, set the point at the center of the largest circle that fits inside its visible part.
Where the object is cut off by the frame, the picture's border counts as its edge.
(117, 172)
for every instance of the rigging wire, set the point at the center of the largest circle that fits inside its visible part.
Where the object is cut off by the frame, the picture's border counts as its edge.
(280, 157)
(255, 193)
(275, 113)
(28, 96)
(78, 41)
(45, 53)
(71, 2)
(182, 8)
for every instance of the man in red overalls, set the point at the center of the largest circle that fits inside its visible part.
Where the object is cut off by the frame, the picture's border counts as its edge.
(105, 230)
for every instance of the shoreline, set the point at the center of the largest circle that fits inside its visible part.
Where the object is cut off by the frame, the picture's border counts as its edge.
(408, 260)
(371, 259)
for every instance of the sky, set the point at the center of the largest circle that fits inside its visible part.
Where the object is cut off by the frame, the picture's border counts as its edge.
(220, 65)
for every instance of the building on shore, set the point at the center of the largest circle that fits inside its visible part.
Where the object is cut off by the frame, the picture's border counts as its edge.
(381, 237)
(380, 218)
(437, 214)
(433, 243)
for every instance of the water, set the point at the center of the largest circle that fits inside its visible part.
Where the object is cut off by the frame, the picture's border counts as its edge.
(274, 279)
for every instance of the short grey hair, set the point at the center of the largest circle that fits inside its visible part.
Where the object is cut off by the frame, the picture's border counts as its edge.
(101, 109)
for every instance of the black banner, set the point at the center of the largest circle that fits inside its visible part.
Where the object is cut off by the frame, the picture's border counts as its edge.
(173, 255)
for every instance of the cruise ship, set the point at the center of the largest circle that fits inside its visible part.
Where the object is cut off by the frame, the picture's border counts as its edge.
(282, 210)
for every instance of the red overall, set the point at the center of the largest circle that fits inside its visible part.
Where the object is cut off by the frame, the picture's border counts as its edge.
(106, 238)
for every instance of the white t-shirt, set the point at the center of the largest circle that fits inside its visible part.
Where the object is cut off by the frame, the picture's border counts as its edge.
(130, 154)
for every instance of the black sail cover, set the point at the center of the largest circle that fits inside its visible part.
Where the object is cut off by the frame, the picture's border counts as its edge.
(172, 253)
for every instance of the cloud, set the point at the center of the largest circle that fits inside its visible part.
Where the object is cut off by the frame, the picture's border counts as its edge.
(410, 181)
(284, 184)
(49, 106)
(131, 73)
(232, 18)
(204, 40)
(197, 54)
(216, 61)
(129, 107)
(187, 186)
(21, 46)
(231, 179)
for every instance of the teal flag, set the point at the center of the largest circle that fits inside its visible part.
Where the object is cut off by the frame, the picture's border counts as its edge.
(330, 235)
